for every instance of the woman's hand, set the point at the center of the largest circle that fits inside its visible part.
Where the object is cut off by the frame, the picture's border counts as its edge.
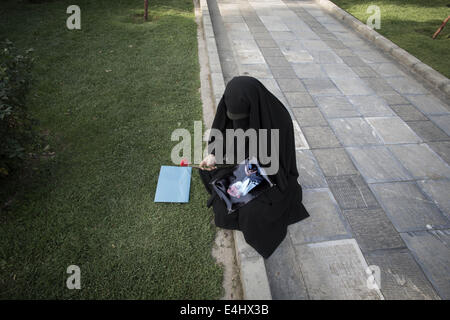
(209, 163)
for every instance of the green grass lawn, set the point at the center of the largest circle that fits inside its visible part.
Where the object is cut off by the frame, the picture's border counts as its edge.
(92, 204)
(410, 24)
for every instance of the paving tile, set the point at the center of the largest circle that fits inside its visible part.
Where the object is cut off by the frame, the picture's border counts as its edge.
(250, 56)
(336, 27)
(344, 53)
(300, 140)
(335, 44)
(271, 85)
(283, 72)
(302, 32)
(377, 164)
(372, 229)
(407, 207)
(393, 130)
(325, 35)
(240, 35)
(298, 56)
(285, 14)
(273, 23)
(371, 106)
(392, 98)
(266, 43)
(438, 191)
(315, 45)
(408, 112)
(325, 221)
(336, 107)
(320, 137)
(284, 274)
(233, 19)
(310, 175)
(262, 35)
(356, 43)
(271, 52)
(406, 85)
(325, 57)
(287, 45)
(258, 71)
(277, 61)
(354, 132)
(299, 99)
(315, 24)
(428, 131)
(379, 86)
(228, 9)
(315, 12)
(251, 20)
(291, 85)
(257, 28)
(242, 26)
(428, 104)
(321, 87)
(371, 56)
(283, 35)
(245, 45)
(387, 70)
(348, 36)
(432, 251)
(351, 192)
(401, 277)
(442, 149)
(335, 270)
(308, 70)
(352, 86)
(364, 72)
(354, 61)
(421, 161)
(351, 40)
(442, 122)
(309, 117)
(339, 70)
(334, 162)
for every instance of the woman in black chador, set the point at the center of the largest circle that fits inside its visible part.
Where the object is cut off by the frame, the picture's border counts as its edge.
(247, 104)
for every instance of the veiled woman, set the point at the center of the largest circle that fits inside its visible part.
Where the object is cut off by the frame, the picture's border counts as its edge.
(247, 104)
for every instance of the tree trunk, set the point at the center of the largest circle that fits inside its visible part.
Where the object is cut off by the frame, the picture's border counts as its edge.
(145, 10)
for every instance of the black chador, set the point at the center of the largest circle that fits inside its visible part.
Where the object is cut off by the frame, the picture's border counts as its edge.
(246, 104)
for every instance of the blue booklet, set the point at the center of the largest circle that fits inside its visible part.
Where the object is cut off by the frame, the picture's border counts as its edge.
(174, 184)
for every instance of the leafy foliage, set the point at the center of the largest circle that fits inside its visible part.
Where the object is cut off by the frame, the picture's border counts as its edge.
(16, 125)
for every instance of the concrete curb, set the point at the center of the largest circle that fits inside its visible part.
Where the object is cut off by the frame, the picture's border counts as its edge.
(217, 82)
(255, 284)
(431, 76)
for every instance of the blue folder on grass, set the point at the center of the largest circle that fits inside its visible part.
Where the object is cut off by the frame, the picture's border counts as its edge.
(174, 184)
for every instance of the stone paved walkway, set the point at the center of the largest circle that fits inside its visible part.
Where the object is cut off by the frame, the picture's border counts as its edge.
(373, 150)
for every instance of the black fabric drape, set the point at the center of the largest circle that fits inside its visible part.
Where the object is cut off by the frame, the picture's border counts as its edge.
(266, 112)
(264, 220)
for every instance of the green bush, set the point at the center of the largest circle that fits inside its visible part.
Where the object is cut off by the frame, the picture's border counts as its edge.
(16, 125)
